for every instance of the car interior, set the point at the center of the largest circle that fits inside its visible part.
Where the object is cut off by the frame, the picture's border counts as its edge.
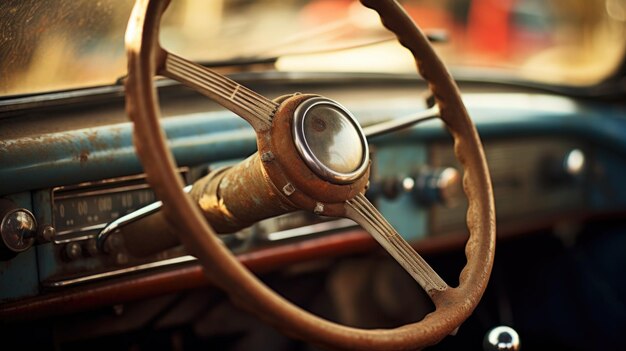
(313, 174)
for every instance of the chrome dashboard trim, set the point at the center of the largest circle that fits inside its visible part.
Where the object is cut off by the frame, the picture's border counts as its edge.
(343, 223)
(102, 191)
(103, 182)
(115, 273)
(299, 232)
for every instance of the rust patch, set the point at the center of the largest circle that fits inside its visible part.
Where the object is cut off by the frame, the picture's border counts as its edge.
(81, 146)
(83, 157)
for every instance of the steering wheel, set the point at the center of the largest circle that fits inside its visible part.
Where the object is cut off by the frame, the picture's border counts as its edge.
(312, 155)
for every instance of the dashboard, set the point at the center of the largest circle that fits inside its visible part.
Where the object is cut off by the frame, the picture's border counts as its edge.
(554, 162)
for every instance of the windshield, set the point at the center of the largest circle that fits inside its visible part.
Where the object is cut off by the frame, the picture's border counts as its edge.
(67, 44)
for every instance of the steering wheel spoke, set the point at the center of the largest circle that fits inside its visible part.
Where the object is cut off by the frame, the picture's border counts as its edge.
(402, 122)
(249, 105)
(361, 210)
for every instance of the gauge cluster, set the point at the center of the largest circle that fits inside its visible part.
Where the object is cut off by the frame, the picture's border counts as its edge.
(81, 211)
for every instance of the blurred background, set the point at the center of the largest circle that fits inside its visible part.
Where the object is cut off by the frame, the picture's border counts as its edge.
(68, 44)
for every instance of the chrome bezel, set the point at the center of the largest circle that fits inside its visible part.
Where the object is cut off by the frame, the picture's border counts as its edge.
(29, 241)
(307, 154)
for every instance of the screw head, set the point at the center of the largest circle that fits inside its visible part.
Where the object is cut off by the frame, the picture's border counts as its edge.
(288, 189)
(267, 156)
(319, 208)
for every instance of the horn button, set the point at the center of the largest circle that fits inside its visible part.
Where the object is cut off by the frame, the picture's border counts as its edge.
(330, 140)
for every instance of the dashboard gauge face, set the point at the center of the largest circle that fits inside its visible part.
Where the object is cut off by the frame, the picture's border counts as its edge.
(86, 211)
(82, 210)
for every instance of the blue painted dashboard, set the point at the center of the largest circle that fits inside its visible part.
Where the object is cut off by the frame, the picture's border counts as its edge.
(33, 164)
(94, 153)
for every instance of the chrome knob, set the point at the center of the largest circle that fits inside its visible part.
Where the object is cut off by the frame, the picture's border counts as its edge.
(72, 251)
(436, 185)
(574, 163)
(18, 229)
(501, 338)
(47, 232)
(564, 169)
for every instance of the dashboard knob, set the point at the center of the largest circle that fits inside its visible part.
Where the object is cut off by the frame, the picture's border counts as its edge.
(90, 248)
(501, 338)
(436, 185)
(18, 229)
(47, 232)
(114, 244)
(564, 169)
(72, 251)
(574, 163)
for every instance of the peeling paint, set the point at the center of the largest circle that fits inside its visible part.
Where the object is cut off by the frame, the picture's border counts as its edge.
(83, 157)
(74, 156)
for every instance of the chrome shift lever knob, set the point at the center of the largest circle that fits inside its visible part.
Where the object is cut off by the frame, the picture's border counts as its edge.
(501, 338)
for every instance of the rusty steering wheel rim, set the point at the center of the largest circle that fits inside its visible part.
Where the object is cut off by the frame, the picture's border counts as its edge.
(453, 305)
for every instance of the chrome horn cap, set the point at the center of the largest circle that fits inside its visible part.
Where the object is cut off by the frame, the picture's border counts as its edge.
(330, 140)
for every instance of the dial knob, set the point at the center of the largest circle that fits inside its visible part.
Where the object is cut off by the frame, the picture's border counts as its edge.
(436, 185)
(72, 251)
(18, 228)
(501, 338)
(564, 169)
